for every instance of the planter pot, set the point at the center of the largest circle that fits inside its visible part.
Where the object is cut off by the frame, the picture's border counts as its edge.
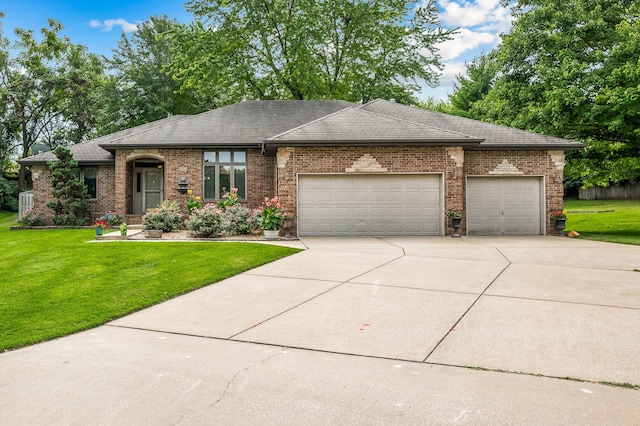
(560, 225)
(287, 225)
(98, 231)
(271, 234)
(153, 233)
(456, 223)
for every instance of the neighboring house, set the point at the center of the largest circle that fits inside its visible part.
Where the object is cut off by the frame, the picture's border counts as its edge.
(343, 169)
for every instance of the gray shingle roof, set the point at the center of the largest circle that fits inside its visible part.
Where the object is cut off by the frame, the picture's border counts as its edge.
(90, 152)
(358, 126)
(255, 124)
(495, 136)
(245, 124)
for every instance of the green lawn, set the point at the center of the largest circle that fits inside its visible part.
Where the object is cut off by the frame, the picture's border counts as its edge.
(56, 282)
(616, 221)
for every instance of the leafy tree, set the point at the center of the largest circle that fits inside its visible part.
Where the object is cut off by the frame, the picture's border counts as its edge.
(470, 88)
(142, 88)
(47, 89)
(570, 69)
(300, 49)
(70, 194)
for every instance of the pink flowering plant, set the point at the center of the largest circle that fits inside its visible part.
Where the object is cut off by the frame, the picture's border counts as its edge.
(271, 214)
(229, 199)
(30, 218)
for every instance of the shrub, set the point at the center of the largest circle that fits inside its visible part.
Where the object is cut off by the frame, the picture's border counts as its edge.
(8, 195)
(30, 218)
(206, 222)
(70, 194)
(236, 220)
(112, 219)
(167, 217)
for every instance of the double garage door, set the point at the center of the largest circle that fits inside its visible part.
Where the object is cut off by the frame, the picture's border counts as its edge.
(371, 205)
(380, 205)
(504, 205)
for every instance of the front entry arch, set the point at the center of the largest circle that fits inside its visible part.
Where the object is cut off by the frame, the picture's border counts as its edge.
(148, 186)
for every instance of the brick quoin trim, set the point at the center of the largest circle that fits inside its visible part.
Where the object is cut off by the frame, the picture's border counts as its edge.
(549, 164)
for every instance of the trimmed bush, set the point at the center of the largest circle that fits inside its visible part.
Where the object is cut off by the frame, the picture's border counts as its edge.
(167, 217)
(206, 222)
(236, 220)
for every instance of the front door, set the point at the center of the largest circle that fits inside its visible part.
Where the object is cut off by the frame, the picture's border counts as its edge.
(148, 189)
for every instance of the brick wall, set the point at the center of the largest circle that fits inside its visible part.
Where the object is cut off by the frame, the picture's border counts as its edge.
(549, 164)
(42, 192)
(188, 163)
(407, 159)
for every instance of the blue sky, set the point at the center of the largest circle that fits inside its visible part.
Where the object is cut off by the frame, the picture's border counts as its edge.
(98, 25)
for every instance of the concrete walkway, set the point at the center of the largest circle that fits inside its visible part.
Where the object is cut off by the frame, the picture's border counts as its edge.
(362, 331)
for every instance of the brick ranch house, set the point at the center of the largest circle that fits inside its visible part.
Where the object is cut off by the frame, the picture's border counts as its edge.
(343, 169)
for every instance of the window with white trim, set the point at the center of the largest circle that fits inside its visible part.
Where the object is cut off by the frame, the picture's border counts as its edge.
(224, 170)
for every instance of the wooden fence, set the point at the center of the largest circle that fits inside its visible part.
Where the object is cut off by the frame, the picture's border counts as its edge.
(631, 191)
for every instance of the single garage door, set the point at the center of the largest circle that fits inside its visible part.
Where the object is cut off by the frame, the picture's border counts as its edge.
(371, 205)
(504, 205)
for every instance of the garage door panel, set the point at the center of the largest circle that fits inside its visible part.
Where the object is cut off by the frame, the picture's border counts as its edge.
(370, 205)
(503, 206)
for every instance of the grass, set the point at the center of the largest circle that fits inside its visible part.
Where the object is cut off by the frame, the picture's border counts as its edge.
(616, 221)
(56, 282)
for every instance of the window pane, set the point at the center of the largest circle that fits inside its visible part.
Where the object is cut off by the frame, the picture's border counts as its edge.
(225, 180)
(224, 157)
(209, 157)
(209, 182)
(240, 181)
(239, 157)
(91, 181)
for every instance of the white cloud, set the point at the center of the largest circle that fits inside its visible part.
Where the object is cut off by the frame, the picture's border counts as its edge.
(109, 24)
(465, 40)
(488, 14)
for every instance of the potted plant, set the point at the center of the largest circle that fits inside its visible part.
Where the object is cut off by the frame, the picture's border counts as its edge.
(123, 229)
(561, 221)
(100, 227)
(456, 221)
(270, 217)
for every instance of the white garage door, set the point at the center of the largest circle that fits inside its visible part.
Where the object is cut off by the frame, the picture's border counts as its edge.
(503, 206)
(374, 205)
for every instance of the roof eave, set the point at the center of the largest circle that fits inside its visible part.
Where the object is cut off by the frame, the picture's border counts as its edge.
(528, 147)
(114, 147)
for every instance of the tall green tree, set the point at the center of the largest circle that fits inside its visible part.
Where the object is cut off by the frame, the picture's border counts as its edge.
(569, 69)
(470, 88)
(142, 87)
(47, 88)
(325, 49)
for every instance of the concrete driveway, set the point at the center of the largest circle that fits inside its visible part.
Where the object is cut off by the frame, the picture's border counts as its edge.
(362, 331)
